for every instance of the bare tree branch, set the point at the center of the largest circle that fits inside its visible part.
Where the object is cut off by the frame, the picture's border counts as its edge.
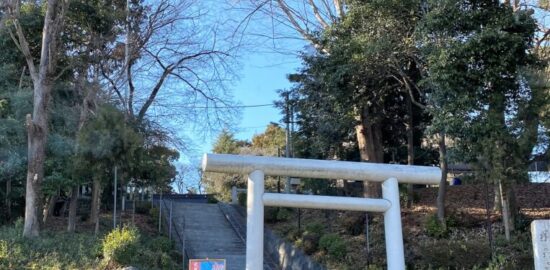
(305, 34)
(113, 85)
(14, 12)
(168, 71)
(339, 5)
(317, 15)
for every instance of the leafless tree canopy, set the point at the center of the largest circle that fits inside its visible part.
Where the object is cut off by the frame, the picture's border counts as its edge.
(291, 19)
(175, 65)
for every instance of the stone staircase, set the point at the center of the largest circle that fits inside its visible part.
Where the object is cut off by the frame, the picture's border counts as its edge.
(209, 235)
(218, 231)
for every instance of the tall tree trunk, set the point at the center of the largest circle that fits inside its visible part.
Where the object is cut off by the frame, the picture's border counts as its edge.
(497, 204)
(369, 141)
(96, 193)
(509, 207)
(441, 194)
(410, 148)
(37, 124)
(505, 211)
(48, 210)
(37, 127)
(73, 206)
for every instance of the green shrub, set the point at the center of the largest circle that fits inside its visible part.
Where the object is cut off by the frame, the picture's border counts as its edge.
(333, 245)
(121, 245)
(62, 250)
(274, 214)
(497, 263)
(434, 228)
(4, 251)
(166, 262)
(327, 239)
(284, 214)
(314, 228)
(162, 244)
(157, 253)
(151, 259)
(309, 240)
(59, 250)
(337, 250)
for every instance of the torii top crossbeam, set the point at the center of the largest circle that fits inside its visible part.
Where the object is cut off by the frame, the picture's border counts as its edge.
(324, 169)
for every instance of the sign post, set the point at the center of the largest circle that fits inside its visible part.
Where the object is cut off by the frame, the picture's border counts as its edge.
(207, 264)
(540, 233)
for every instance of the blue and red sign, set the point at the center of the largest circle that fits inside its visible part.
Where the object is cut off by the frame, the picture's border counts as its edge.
(207, 264)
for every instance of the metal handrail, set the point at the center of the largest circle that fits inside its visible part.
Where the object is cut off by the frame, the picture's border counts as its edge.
(180, 237)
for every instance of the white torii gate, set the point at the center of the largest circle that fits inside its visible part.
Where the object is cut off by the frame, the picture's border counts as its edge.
(256, 167)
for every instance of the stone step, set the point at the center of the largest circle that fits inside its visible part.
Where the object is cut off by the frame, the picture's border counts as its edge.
(208, 234)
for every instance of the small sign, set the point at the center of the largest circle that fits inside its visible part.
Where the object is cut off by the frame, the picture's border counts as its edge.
(540, 233)
(207, 264)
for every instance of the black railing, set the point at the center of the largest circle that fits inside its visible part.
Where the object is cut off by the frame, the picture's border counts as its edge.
(171, 224)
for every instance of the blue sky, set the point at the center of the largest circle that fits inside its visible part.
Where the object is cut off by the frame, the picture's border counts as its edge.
(263, 65)
(269, 52)
(261, 76)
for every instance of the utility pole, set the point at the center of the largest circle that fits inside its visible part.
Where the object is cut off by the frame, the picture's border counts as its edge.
(278, 177)
(287, 146)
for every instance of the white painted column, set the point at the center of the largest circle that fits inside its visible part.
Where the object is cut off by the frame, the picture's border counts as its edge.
(392, 226)
(255, 221)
